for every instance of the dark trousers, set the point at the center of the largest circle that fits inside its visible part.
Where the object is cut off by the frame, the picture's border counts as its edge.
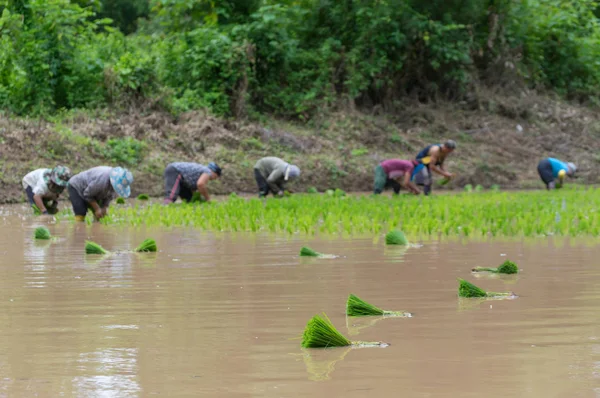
(545, 172)
(174, 187)
(80, 205)
(263, 185)
(51, 205)
(382, 182)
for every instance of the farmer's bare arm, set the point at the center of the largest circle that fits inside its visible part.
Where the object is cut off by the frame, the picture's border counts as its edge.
(96, 208)
(435, 155)
(201, 184)
(39, 202)
(409, 185)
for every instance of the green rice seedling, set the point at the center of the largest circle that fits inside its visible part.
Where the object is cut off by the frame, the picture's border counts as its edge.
(507, 267)
(478, 188)
(320, 333)
(94, 248)
(444, 181)
(468, 188)
(330, 192)
(357, 307)
(120, 201)
(148, 245)
(308, 252)
(396, 237)
(467, 289)
(312, 190)
(42, 233)
(143, 196)
(495, 188)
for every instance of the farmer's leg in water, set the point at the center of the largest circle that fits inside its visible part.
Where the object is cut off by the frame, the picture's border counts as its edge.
(394, 184)
(545, 171)
(173, 181)
(261, 181)
(380, 180)
(186, 194)
(80, 206)
(426, 180)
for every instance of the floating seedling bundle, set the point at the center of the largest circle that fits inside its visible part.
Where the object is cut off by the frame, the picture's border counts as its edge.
(320, 333)
(308, 252)
(507, 267)
(358, 307)
(396, 237)
(143, 196)
(120, 201)
(42, 233)
(467, 289)
(94, 248)
(148, 245)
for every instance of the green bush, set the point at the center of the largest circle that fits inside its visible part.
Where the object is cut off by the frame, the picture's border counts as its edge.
(125, 151)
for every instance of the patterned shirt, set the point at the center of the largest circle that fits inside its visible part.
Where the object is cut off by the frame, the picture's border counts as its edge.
(190, 173)
(94, 184)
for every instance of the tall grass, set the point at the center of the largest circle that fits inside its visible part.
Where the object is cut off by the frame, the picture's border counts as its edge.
(567, 213)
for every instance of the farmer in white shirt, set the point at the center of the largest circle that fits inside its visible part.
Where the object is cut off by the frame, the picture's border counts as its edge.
(44, 186)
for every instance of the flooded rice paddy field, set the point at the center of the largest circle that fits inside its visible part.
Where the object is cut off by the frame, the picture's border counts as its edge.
(221, 315)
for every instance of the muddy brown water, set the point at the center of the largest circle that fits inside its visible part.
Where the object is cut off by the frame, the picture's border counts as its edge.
(219, 315)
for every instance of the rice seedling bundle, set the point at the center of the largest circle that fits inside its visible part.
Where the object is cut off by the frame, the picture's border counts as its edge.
(507, 267)
(42, 233)
(308, 252)
(358, 307)
(396, 237)
(320, 333)
(467, 289)
(120, 201)
(312, 190)
(94, 248)
(148, 245)
(143, 196)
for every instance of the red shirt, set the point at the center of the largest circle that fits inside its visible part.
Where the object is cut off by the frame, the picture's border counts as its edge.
(397, 166)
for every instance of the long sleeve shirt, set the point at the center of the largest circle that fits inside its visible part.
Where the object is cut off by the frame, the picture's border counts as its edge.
(273, 169)
(94, 184)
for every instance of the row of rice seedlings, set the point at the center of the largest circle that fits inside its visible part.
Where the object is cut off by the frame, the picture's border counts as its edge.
(567, 213)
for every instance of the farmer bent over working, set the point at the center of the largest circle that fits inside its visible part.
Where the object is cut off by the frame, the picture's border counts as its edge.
(272, 173)
(395, 173)
(96, 188)
(44, 186)
(553, 171)
(183, 179)
(432, 158)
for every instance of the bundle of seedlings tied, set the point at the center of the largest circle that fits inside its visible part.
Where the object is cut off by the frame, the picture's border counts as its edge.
(94, 248)
(320, 333)
(42, 233)
(308, 252)
(507, 267)
(467, 289)
(148, 245)
(396, 238)
(357, 307)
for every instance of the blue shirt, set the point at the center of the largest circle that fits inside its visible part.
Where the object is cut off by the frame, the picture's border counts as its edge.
(190, 173)
(557, 166)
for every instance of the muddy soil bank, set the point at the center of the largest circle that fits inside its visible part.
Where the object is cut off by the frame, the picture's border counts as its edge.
(500, 140)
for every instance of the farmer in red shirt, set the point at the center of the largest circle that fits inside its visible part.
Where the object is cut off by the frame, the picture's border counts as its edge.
(395, 173)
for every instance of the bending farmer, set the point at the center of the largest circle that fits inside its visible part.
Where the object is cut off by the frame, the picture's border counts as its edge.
(395, 173)
(96, 188)
(553, 171)
(432, 158)
(272, 173)
(44, 186)
(183, 179)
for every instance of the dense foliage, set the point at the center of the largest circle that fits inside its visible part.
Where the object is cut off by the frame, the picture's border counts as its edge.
(289, 57)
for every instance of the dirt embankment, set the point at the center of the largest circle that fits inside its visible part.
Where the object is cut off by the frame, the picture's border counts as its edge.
(500, 140)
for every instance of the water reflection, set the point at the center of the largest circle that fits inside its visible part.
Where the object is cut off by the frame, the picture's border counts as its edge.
(108, 373)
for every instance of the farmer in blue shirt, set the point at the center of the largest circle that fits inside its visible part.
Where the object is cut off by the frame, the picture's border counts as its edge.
(553, 171)
(431, 159)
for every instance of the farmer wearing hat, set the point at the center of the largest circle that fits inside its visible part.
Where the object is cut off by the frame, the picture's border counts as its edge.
(395, 173)
(183, 179)
(431, 158)
(553, 171)
(96, 188)
(272, 173)
(44, 186)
